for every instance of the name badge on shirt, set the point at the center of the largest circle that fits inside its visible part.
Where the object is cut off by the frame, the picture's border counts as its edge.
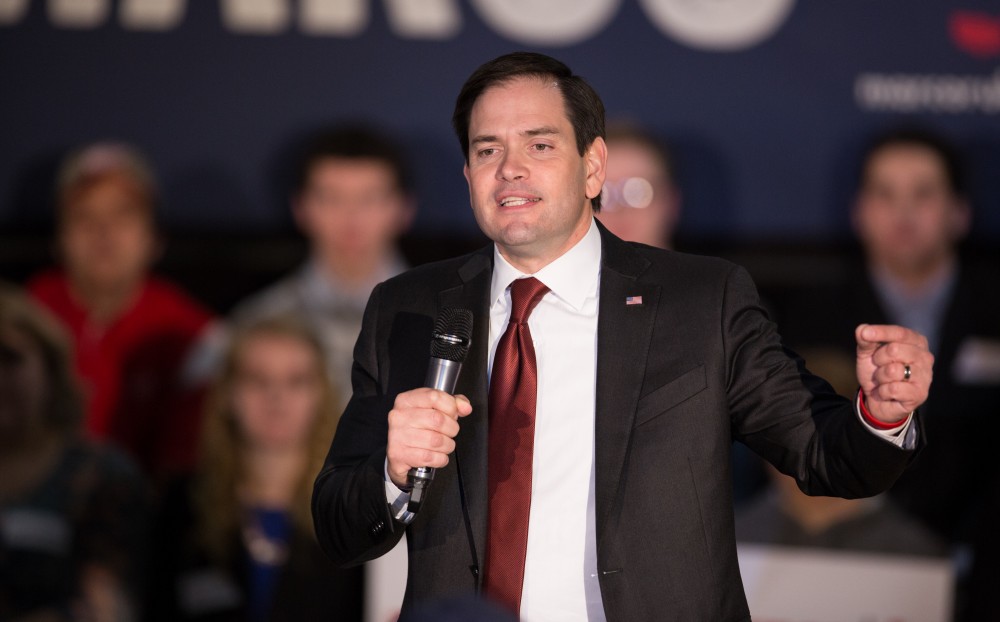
(207, 590)
(30, 529)
(977, 361)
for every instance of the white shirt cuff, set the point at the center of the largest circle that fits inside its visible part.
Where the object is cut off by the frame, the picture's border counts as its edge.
(904, 436)
(398, 500)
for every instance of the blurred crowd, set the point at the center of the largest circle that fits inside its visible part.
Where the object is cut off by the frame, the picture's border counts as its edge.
(158, 459)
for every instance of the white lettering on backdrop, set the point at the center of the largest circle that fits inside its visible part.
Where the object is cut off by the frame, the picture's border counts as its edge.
(720, 25)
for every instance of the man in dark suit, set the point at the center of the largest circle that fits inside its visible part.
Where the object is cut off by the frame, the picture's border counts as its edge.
(911, 213)
(644, 366)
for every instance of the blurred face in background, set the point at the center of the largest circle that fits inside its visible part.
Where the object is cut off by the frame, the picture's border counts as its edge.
(640, 203)
(277, 391)
(907, 215)
(352, 210)
(106, 236)
(24, 386)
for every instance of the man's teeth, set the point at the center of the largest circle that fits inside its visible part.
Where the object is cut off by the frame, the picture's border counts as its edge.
(516, 201)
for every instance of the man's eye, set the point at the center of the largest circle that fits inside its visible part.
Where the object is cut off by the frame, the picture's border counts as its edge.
(485, 153)
(541, 147)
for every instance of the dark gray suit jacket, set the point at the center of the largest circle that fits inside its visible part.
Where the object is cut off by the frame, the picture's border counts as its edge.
(679, 377)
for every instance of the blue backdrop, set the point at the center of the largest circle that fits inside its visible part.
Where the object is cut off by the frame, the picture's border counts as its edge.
(765, 101)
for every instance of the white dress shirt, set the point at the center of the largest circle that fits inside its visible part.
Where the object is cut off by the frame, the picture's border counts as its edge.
(560, 570)
(560, 574)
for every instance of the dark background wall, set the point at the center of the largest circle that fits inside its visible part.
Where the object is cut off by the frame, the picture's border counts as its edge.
(766, 103)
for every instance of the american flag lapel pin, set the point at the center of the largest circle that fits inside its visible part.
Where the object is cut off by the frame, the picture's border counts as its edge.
(633, 300)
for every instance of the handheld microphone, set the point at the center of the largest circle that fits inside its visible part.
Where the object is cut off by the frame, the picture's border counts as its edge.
(449, 346)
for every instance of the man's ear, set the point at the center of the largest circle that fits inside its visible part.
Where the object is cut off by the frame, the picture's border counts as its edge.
(961, 220)
(855, 217)
(407, 213)
(158, 248)
(298, 212)
(596, 161)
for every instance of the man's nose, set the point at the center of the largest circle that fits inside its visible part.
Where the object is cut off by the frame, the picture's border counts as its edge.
(512, 167)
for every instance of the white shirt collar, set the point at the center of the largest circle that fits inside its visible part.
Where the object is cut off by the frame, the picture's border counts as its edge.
(572, 277)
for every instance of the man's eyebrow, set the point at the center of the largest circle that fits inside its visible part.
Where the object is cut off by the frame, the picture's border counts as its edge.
(482, 139)
(545, 130)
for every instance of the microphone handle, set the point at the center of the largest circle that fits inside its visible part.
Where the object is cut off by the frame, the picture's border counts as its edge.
(442, 375)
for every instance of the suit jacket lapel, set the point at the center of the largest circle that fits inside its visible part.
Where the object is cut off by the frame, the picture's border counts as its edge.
(624, 333)
(471, 443)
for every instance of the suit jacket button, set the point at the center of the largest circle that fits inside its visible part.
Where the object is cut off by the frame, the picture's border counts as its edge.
(377, 529)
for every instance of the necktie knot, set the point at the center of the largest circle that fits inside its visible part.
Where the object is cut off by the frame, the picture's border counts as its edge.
(525, 294)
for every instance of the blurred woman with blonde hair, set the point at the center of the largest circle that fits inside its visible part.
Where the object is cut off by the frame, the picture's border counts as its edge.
(237, 539)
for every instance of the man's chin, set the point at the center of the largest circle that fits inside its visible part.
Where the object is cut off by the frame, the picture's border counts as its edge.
(516, 235)
(108, 280)
(916, 263)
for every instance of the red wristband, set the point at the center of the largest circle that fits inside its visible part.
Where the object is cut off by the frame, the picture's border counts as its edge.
(872, 421)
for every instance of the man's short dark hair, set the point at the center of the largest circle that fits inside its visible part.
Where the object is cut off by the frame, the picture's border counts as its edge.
(946, 152)
(583, 105)
(352, 142)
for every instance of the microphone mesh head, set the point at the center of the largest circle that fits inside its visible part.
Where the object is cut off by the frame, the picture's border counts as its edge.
(452, 334)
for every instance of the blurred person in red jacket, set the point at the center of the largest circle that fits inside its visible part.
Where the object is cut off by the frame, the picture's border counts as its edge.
(134, 333)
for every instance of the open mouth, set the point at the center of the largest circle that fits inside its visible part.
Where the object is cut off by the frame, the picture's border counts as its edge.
(517, 201)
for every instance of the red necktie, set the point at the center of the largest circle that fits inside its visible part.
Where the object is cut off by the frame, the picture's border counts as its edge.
(513, 386)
